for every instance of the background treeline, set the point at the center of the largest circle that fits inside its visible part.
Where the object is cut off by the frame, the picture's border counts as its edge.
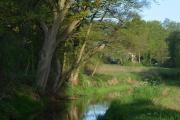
(148, 43)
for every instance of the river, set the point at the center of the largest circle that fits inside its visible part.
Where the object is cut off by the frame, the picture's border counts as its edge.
(84, 108)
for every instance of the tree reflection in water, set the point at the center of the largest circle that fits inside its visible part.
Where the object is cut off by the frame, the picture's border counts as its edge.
(82, 109)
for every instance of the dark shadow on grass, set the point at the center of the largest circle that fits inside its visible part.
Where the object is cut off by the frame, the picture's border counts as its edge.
(139, 110)
(18, 108)
(156, 76)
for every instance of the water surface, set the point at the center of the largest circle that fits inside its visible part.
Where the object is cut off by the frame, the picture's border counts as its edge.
(84, 108)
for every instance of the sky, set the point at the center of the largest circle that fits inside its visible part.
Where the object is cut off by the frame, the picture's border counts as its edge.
(163, 9)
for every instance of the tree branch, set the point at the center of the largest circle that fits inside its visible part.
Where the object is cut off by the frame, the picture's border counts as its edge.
(44, 27)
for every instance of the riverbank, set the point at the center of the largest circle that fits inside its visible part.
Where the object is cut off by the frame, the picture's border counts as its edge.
(138, 86)
(116, 78)
(144, 93)
(148, 103)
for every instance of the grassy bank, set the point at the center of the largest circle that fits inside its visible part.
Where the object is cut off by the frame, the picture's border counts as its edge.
(148, 93)
(146, 103)
(113, 77)
(98, 84)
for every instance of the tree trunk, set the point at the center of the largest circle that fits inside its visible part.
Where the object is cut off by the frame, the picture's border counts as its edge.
(150, 60)
(75, 73)
(139, 57)
(44, 64)
(58, 83)
(50, 43)
(94, 71)
(74, 77)
(47, 52)
(59, 69)
(96, 66)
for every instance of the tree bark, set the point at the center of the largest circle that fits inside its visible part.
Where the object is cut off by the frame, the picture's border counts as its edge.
(46, 55)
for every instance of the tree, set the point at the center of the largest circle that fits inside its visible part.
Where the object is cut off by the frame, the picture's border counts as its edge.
(174, 47)
(145, 40)
(157, 47)
(59, 21)
(20, 38)
(66, 20)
